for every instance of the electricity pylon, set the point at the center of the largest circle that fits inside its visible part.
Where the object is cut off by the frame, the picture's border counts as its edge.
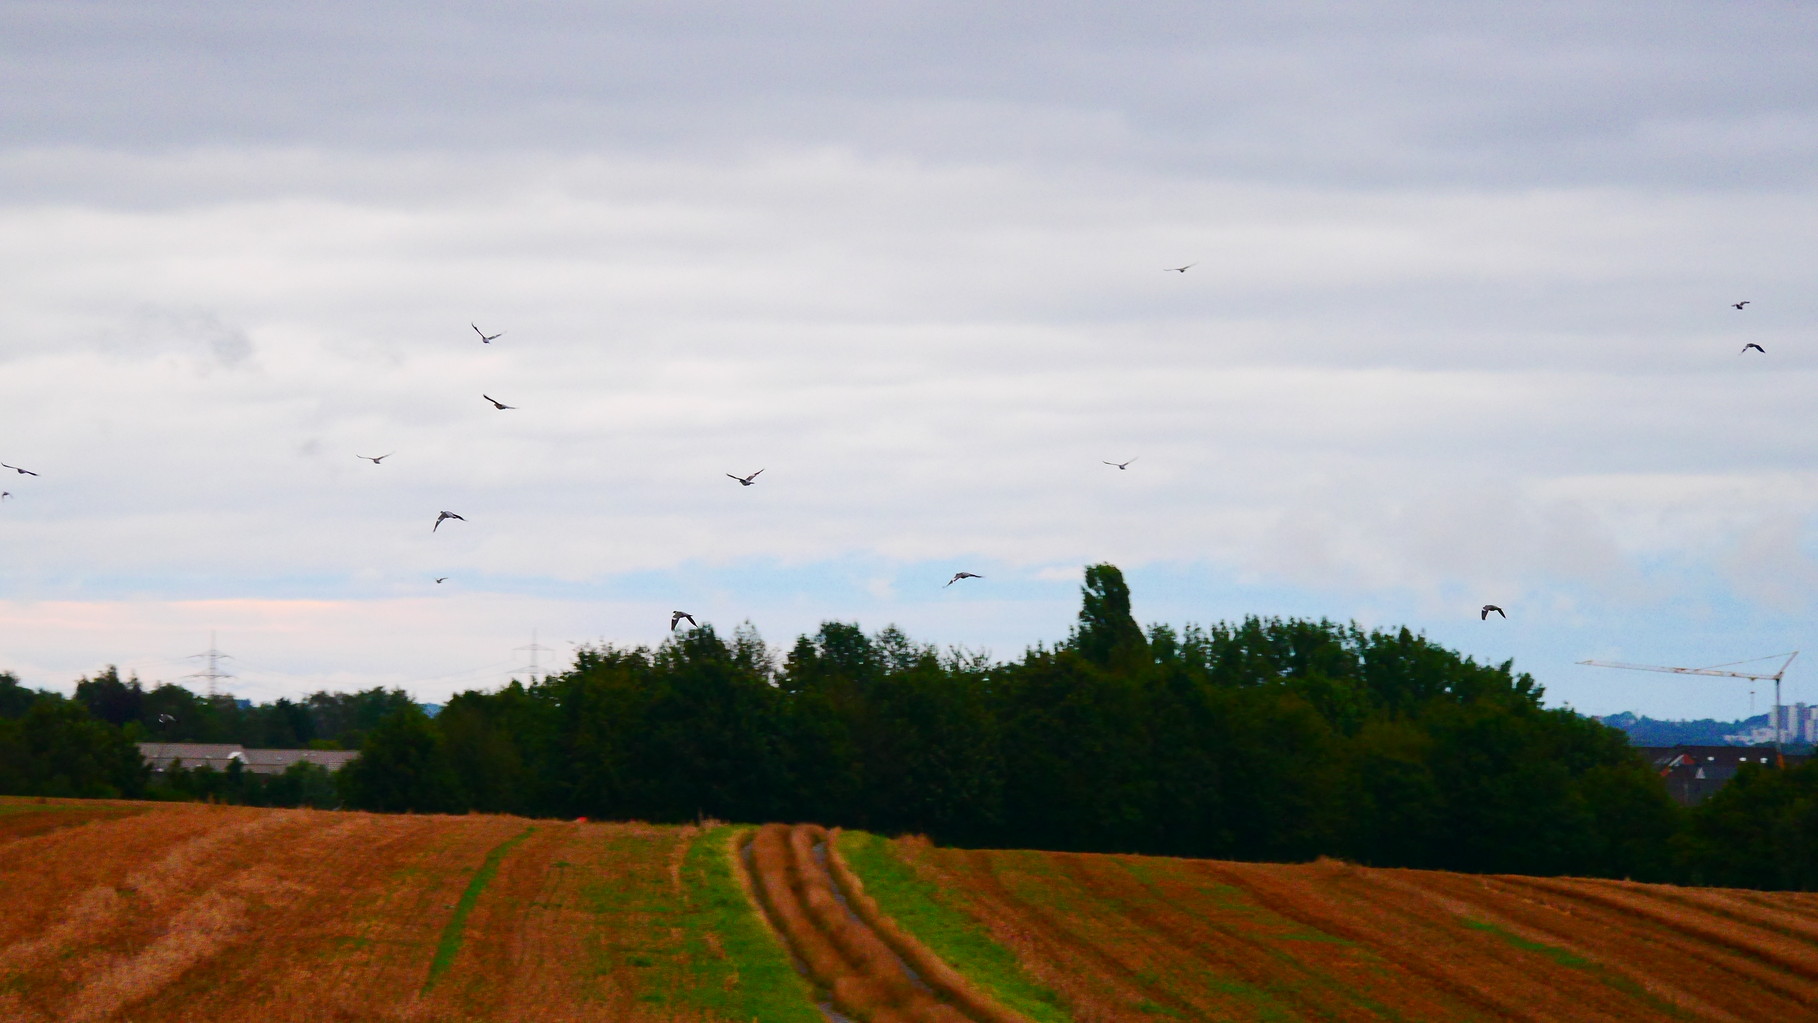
(1715, 669)
(534, 649)
(214, 672)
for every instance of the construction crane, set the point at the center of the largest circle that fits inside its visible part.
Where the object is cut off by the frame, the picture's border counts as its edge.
(1716, 669)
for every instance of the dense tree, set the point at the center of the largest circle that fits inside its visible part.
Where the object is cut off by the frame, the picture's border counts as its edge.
(56, 748)
(1107, 634)
(404, 765)
(1759, 831)
(483, 730)
(15, 699)
(171, 713)
(1266, 738)
(111, 700)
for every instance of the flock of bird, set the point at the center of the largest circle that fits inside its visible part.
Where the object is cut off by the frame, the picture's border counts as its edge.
(677, 617)
(749, 480)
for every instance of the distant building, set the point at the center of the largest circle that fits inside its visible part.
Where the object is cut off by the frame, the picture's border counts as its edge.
(275, 761)
(1693, 773)
(1798, 722)
(162, 756)
(1762, 736)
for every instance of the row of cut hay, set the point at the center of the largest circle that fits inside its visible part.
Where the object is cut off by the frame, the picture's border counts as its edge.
(932, 968)
(840, 953)
(880, 990)
(773, 871)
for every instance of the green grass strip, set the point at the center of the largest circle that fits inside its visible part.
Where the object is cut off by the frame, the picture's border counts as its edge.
(1578, 962)
(8, 809)
(739, 968)
(450, 945)
(917, 907)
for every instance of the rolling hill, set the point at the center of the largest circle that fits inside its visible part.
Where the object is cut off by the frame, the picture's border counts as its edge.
(165, 912)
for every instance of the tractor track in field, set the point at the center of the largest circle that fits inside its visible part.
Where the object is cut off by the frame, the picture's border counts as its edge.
(863, 966)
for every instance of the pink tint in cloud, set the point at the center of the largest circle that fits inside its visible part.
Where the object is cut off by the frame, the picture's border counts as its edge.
(431, 647)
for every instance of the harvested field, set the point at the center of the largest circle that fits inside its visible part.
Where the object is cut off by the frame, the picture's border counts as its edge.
(158, 913)
(863, 965)
(1140, 938)
(166, 912)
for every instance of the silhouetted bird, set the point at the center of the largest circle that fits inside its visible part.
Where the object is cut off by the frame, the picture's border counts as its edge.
(957, 576)
(1487, 608)
(376, 459)
(486, 338)
(746, 481)
(1739, 305)
(675, 618)
(441, 517)
(442, 578)
(4, 494)
(1120, 465)
(22, 472)
(496, 403)
(1178, 269)
(1751, 344)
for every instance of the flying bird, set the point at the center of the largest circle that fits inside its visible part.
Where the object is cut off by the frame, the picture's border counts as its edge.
(442, 578)
(485, 338)
(376, 459)
(22, 472)
(4, 494)
(1120, 465)
(1487, 608)
(1178, 269)
(1751, 344)
(675, 618)
(439, 518)
(1739, 305)
(957, 576)
(496, 403)
(746, 481)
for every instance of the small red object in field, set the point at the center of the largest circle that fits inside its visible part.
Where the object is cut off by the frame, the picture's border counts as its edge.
(580, 820)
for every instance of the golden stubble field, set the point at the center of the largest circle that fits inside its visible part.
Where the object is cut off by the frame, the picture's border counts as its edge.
(168, 912)
(151, 912)
(1127, 937)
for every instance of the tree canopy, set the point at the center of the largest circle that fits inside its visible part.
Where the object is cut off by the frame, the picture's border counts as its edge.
(1266, 739)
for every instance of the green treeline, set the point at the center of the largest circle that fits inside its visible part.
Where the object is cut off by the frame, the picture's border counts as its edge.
(1268, 739)
(51, 745)
(171, 713)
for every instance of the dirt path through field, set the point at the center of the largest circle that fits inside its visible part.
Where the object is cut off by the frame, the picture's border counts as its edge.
(865, 967)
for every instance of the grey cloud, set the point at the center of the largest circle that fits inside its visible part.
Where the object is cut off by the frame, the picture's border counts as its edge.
(151, 331)
(1460, 317)
(1416, 92)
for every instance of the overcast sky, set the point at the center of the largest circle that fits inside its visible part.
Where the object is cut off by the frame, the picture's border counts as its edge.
(1458, 329)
